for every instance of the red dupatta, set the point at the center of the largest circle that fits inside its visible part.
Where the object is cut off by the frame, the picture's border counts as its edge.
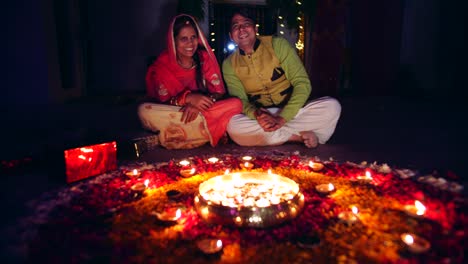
(166, 78)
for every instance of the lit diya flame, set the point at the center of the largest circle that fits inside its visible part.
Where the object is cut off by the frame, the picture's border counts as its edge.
(209, 245)
(367, 177)
(184, 163)
(349, 217)
(254, 195)
(140, 186)
(133, 173)
(187, 172)
(315, 166)
(247, 165)
(418, 209)
(169, 215)
(415, 244)
(325, 188)
(408, 239)
(247, 158)
(213, 159)
(421, 209)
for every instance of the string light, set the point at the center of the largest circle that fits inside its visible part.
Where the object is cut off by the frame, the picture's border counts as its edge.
(301, 35)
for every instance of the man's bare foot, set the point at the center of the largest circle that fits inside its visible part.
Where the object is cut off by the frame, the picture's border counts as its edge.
(310, 139)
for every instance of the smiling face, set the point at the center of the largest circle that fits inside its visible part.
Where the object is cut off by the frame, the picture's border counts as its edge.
(186, 43)
(243, 32)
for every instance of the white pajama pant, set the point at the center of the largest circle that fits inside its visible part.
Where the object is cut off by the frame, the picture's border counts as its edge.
(320, 116)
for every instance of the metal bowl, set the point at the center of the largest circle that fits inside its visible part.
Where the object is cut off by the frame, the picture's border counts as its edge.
(249, 216)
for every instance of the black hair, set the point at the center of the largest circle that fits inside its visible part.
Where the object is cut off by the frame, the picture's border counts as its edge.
(247, 12)
(185, 21)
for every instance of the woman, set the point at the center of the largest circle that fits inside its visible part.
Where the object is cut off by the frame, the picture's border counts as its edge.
(186, 78)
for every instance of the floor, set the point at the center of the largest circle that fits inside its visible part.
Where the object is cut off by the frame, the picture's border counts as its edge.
(427, 135)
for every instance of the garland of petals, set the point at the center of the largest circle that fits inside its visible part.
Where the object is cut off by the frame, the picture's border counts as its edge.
(125, 219)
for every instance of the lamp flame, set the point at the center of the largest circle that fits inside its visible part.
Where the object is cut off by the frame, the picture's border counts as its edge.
(421, 209)
(408, 239)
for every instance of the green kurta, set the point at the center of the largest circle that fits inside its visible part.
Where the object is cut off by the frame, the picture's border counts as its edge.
(263, 78)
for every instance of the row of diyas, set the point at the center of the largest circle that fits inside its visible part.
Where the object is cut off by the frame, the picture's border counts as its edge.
(254, 199)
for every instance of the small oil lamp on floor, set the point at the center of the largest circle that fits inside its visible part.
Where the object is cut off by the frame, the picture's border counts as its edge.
(169, 215)
(316, 166)
(415, 244)
(247, 162)
(349, 217)
(416, 210)
(140, 186)
(133, 173)
(325, 188)
(210, 245)
(186, 170)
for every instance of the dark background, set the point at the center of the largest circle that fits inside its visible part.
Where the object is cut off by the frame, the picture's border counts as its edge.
(58, 50)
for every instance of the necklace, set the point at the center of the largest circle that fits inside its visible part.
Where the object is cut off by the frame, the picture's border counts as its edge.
(192, 64)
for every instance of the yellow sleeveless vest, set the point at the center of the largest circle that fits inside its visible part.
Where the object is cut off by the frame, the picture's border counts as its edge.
(262, 76)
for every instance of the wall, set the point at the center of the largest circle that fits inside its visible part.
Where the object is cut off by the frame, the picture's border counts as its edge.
(26, 54)
(124, 35)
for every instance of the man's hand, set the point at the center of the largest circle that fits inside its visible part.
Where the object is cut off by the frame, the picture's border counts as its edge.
(268, 121)
(199, 101)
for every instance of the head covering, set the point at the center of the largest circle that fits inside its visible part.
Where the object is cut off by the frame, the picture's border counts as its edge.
(202, 42)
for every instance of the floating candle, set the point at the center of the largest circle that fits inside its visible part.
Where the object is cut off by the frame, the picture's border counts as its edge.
(416, 210)
(210, 245)
(415, 244)
(133, 173)
(316, 166)
(325, 188)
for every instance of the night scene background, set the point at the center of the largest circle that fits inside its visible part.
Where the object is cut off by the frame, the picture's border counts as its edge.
(75, 73)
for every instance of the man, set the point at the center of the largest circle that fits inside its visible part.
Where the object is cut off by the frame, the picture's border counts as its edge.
(268, 76)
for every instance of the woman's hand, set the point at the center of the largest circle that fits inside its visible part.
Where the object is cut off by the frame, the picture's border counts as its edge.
(199, 101)
(189, 114)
